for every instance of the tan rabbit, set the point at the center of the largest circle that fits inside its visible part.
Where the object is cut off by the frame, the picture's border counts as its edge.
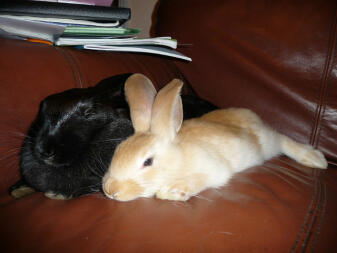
(175, 160)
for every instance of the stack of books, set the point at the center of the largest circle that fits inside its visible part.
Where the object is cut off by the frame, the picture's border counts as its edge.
(81, 26)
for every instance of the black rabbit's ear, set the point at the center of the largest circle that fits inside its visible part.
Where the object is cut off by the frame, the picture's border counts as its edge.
(112, 86)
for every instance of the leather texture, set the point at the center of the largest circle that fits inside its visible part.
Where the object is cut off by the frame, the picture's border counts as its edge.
(275, 57)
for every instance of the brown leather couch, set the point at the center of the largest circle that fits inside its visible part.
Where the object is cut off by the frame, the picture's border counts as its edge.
(276, 57)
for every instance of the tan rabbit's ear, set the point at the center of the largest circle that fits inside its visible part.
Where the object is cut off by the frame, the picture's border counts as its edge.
(140, 94)
(167, 110)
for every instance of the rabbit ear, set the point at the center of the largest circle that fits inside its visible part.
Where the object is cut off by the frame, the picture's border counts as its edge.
(167, 111)
(112, 86)
(140, 94)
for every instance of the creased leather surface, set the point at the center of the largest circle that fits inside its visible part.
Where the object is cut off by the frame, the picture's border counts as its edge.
(279, 68)
(275, 57)
(104, 65)
(262, 208)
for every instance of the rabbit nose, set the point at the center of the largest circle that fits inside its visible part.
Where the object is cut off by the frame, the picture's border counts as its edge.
(106, 188)
(45, 151)
(112, 196)
(109, 190)
(48, 153)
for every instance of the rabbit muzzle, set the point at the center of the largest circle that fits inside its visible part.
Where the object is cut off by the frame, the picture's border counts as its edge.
(122, 190)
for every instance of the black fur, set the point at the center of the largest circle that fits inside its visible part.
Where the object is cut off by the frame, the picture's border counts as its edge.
(69, 145)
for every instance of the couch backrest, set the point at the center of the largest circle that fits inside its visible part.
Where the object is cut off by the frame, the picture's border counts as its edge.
(275, 57)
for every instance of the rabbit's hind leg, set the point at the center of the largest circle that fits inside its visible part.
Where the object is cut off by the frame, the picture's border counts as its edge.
(302, 153)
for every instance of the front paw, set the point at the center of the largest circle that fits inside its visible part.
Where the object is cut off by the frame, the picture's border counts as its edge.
(56, 196)
(22, 191)
(175, 192)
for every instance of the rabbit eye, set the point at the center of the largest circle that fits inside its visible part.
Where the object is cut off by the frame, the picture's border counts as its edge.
(88, 112)
(148, 162)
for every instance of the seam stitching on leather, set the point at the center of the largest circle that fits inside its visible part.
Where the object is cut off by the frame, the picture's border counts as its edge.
(324, 83)
(332, 54)
(71, 65)
(75, 63)
(314, 213)
(306, 219)
(326, 92)
(322, 216)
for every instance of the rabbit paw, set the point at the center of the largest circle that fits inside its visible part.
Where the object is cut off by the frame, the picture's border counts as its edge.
(314, 158)
(56, 196)
(22, 191)
(176, 192)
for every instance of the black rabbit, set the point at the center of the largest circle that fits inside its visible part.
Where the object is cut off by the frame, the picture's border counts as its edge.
(69, 145)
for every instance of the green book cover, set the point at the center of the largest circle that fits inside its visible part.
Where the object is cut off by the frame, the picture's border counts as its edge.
(99, 31)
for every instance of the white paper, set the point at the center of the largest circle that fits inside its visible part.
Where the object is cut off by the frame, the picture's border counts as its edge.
(31, 29)
(141, 49)
(160, 41)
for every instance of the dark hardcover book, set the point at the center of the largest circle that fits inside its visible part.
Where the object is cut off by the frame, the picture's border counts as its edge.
(63, 10)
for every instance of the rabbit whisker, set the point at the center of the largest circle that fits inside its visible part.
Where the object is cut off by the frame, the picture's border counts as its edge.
(96, 172)
(92, 188)
(110, 140)
(8, 156)
(11, 164)
(203, 198)
(18, 135)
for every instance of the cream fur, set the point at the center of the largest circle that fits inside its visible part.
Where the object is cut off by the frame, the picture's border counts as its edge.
(196, 155)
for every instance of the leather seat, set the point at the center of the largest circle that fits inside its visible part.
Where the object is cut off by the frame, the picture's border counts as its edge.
(277, 58)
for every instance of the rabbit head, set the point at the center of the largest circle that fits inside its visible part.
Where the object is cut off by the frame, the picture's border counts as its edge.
(64, 125)
(65, 132)
(146, 161)
(66, 122)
